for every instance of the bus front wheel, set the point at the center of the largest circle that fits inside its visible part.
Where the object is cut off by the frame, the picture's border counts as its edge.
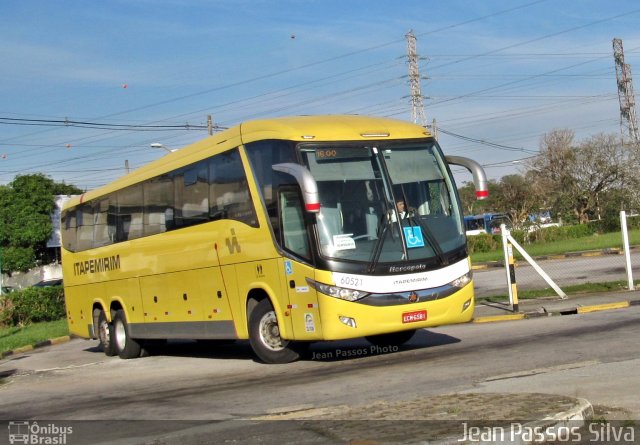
(264, 336)
(126, 346)
(105, 335)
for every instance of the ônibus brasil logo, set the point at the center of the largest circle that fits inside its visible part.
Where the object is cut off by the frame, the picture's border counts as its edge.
(34, 433)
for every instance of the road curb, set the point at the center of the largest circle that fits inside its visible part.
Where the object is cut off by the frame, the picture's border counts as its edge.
(551, 427)
(446, 419)
(539, 431)
(602, 307)
(494, 318)
(567, 311)
(42, 344)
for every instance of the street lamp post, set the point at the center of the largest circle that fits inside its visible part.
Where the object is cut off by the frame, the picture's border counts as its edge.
(159, 145)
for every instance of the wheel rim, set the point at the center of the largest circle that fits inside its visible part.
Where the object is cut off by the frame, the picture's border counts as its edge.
(270, 332)
(120, 334)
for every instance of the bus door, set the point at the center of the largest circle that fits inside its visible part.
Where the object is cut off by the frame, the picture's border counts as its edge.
(303, 300)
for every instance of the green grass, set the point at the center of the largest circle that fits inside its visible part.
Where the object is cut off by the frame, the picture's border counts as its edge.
(17, 337)
(610, 286)
(593, 242)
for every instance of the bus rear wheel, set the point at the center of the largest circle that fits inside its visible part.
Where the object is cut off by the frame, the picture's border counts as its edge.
(264, 336)
(126, 346)
(392, 339)
(105, 335)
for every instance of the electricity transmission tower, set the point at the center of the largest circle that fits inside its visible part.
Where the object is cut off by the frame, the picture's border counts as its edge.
(417, 106)
(628, 121)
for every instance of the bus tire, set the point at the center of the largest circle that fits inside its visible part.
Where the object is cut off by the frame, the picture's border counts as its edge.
(126, 346)
(264, 336)
(391, 339)
(105, 335)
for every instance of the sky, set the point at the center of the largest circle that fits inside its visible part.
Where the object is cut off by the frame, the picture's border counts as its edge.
(87, 87)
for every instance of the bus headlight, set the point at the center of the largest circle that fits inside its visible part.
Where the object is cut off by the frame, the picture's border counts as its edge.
(462, 281)
(338, 292)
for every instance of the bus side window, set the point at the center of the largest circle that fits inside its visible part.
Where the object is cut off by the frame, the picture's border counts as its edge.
(194, 207)
(101, 228)
(229, 190)
(112, 218)
(263, 155)
(69, 227)
(129, 215)
(84, 219)
(293, 227)
(158, 205)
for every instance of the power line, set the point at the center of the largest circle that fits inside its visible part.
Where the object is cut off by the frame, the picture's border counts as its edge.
(99, 125)
(511, 162)
(487, 143)
(537, 39)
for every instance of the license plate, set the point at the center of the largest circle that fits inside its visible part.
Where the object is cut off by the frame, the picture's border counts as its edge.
(412, 317)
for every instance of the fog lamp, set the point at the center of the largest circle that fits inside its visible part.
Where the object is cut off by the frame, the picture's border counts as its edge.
(348, 321)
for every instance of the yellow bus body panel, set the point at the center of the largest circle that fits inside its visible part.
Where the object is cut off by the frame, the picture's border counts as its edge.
(330, 128)
(372, 320)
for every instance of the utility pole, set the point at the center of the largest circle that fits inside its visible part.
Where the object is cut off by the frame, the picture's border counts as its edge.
(418, 114)
(209, 124)
(628, 121)
(434, 128)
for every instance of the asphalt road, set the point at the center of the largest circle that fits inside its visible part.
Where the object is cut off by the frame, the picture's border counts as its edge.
(568, 271)
(595, 356)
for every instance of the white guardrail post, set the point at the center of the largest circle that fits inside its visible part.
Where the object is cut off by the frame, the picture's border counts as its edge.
(625, 246)
(510, 240)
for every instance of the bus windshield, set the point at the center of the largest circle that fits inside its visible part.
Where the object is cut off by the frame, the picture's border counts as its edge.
(385, 203)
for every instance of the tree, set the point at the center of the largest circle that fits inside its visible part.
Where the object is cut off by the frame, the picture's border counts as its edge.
(574, 178)
(471, 205)
(602, 165)
(26, 205)
(517, 199)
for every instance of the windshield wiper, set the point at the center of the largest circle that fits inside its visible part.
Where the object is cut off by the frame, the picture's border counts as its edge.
(377, 249)
(385, 224)
(415, 221)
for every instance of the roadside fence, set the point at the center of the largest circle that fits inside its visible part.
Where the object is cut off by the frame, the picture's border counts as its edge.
(615, 265)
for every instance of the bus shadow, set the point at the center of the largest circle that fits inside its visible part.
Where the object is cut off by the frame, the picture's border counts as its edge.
(345, 350)
(210, 349)
(324, 351)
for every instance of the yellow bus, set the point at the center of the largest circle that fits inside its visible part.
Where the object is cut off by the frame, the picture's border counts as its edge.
(284, 232)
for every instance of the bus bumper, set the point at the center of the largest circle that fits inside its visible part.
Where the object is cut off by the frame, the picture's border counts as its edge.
(344, 319)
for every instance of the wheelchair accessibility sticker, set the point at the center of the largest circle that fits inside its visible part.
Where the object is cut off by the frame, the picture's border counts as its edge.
(413, 236)
(288, 268)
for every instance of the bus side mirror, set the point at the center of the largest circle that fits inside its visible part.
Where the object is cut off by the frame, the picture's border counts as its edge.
(479, 176)
(306, 182)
